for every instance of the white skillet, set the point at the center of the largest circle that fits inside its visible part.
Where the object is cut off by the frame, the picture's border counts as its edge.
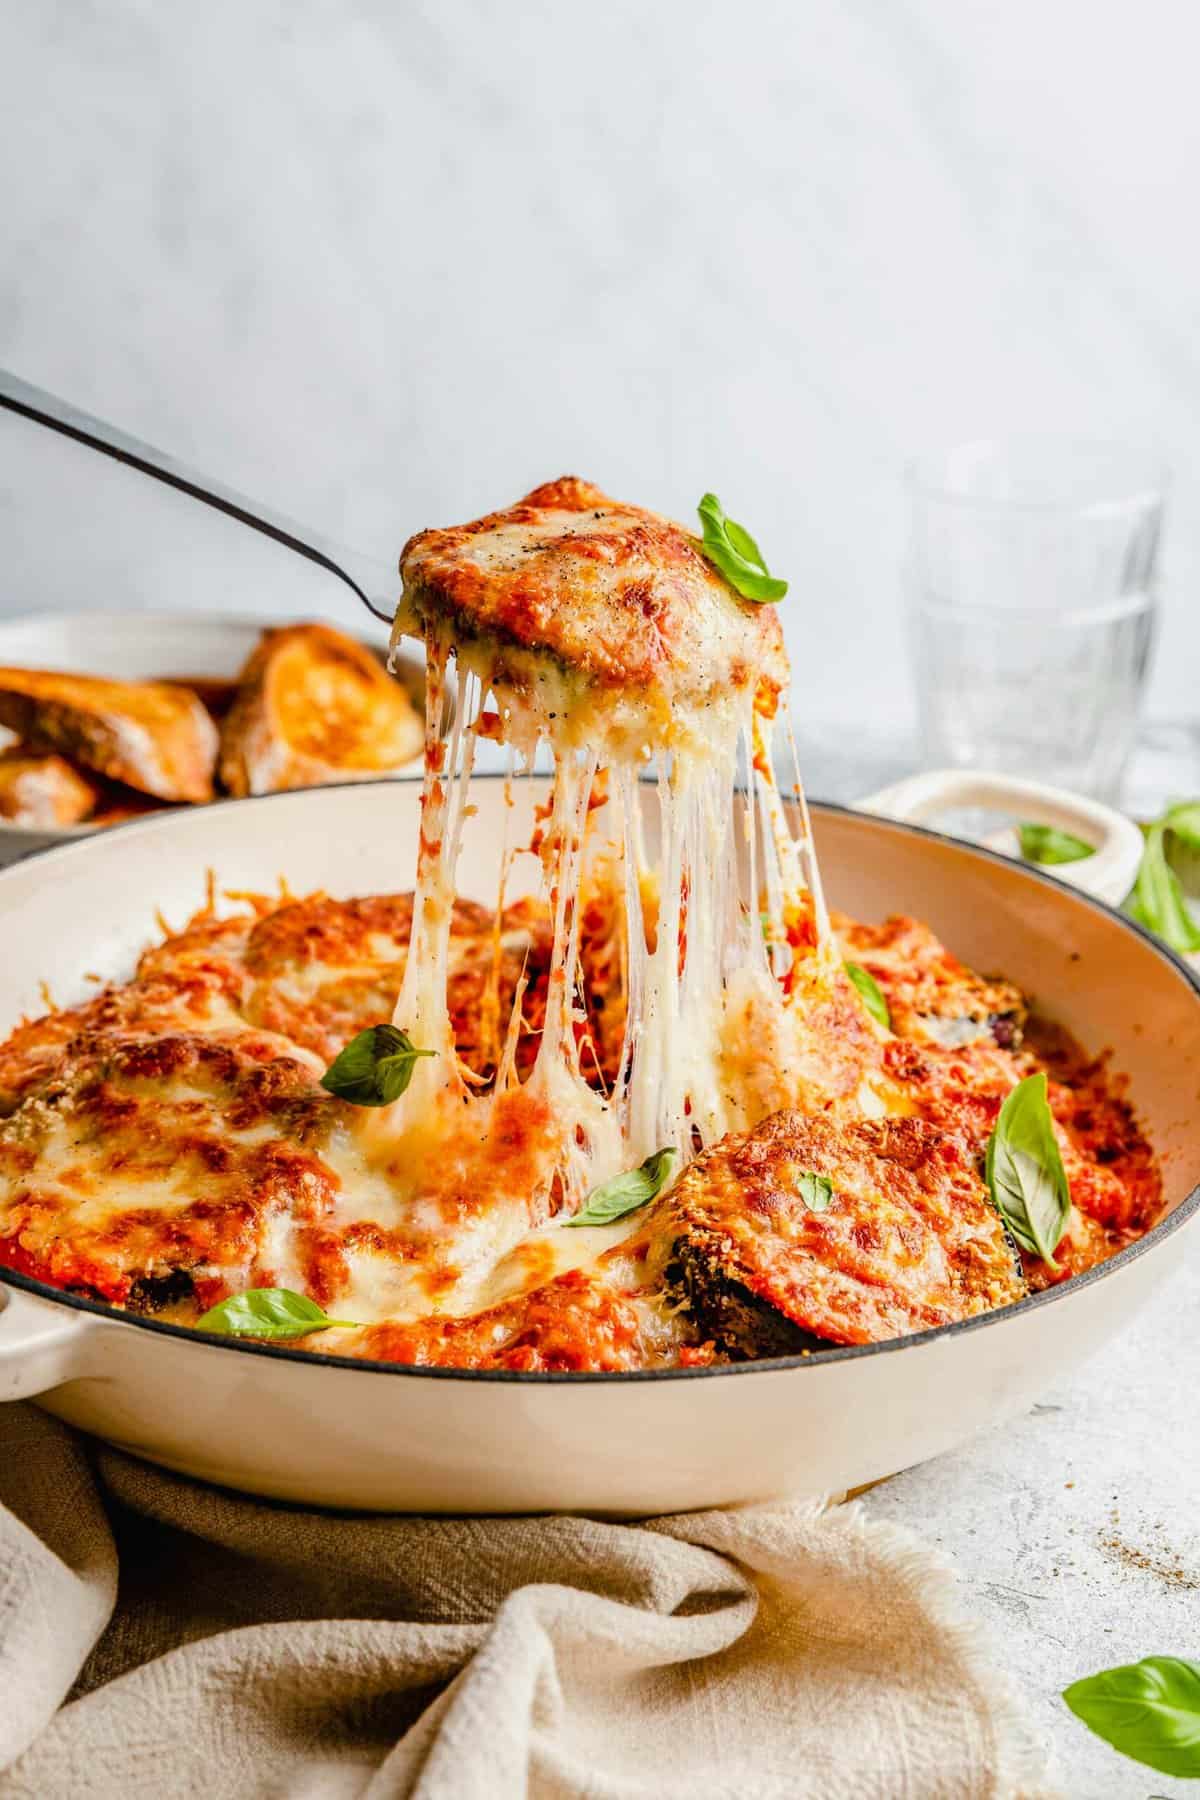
(322, 1431)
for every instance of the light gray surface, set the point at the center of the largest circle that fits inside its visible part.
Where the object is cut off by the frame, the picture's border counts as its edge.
(1076, 1529)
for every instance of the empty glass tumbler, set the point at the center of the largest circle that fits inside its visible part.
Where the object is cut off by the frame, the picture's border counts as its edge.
(1032, 605)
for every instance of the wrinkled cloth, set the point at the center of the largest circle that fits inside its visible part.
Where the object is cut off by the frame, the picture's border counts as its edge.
(159, 1637)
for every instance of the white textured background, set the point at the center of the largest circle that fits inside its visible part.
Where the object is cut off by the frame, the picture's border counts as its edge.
(388, 265)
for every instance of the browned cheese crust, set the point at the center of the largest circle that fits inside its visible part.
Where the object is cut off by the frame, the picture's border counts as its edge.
(615, 598)
(145, 1160)
(323, 969)
(315, 970)
(577, 1321)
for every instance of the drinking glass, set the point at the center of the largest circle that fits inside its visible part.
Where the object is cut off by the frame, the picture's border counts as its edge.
(1032, 606)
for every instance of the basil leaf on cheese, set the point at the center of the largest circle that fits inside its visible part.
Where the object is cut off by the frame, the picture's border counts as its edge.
(872, 994)
(729, 547)
(816, 1191)
(1157, 899)
(267, 1313)
(375, 1067)
(625, 1193)
(1148, 1710)
(1046, 844)
(1025, 1171)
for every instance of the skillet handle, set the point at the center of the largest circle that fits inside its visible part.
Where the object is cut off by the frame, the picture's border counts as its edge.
(39, 1344)
(1108, 874)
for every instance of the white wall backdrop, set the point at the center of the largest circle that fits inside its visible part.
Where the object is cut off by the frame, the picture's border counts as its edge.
(386, 265)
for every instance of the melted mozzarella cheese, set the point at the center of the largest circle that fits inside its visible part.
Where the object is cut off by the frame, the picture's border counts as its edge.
(714, 1037)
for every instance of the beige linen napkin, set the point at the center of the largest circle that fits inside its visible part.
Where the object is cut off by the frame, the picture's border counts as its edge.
(251, 1650)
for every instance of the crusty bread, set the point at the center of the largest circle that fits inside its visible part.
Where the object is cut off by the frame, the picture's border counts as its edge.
(42, 793)
(155, 738)
(314, 706)
(117, 805)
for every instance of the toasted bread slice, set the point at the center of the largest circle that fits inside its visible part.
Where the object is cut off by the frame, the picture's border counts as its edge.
(42, 793)
(314, 706)
(216, 691)
(117, 805)
(155, 738)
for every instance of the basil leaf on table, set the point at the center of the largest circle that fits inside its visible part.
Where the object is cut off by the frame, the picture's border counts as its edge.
(267, 1313)
(1157, 898)
(729, 547)
(1025, 1173)
(872, 994)
(625, 1193)
(375, 1067)
(1046, 844)
(816, 1191)
(1148, 1710)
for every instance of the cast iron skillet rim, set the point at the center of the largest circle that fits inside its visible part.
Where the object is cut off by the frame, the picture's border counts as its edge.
(1187, 1208)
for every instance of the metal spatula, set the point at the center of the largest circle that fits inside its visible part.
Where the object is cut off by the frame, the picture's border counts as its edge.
(369, 577)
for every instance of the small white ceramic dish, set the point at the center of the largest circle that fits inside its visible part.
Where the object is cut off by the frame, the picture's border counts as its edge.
(140, 646)
(329, 1431)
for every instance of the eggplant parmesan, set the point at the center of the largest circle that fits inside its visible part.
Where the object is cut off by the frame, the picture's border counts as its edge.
(664, 1112)
(592, 619)
(169, 1143)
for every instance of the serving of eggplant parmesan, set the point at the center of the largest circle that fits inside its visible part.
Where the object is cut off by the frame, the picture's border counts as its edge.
(661, 1109)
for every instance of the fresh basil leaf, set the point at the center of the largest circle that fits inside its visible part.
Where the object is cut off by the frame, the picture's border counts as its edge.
(731, 550)
(375, 1067)
(1157, 899)
(267, 1313)
(1148, 1710)
(1184, 820)
(1046, 844)
(872, 994)
(625, 1193)
(816, 1191)
(1025, 1170)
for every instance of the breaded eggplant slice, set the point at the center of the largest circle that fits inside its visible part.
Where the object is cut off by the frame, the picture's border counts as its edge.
(315, 706)
(908, 1239)
(593, 621)
(932, 997)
